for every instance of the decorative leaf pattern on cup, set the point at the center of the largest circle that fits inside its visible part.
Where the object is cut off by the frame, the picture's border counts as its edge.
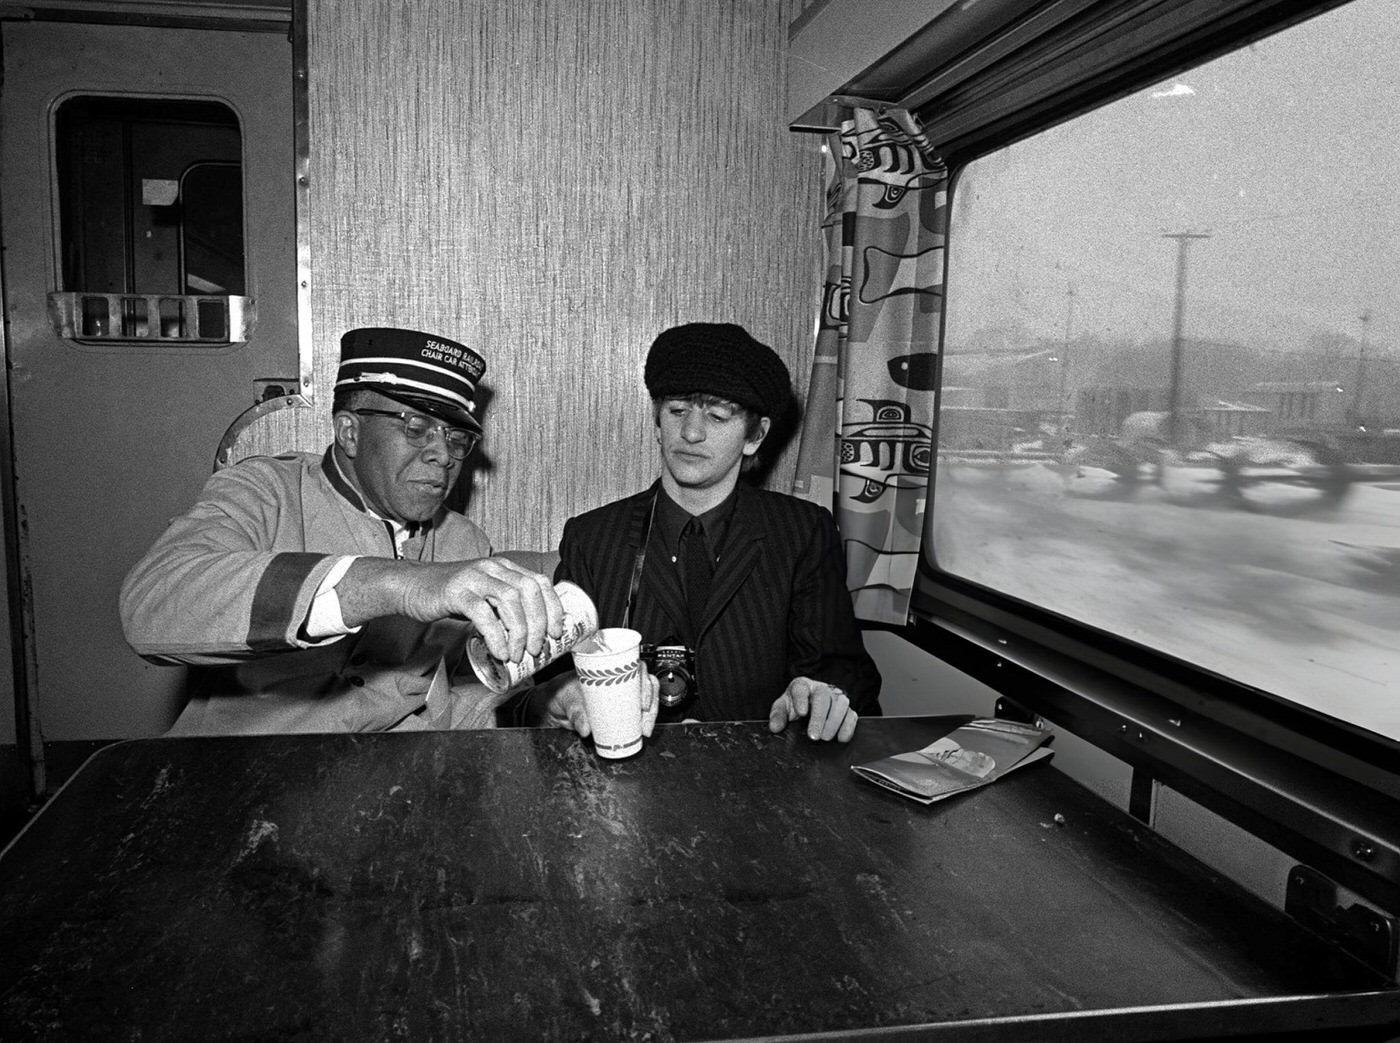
(609, 675)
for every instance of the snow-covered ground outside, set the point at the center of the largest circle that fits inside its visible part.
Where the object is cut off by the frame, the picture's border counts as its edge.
(1288, 595)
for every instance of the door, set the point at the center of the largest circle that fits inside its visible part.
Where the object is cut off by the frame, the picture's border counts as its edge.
(147, 199)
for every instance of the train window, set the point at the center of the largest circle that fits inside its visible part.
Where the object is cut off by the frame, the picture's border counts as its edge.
(211, 228)
(151, 217)
(1170, 405)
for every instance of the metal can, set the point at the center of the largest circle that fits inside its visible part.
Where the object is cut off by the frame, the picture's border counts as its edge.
(580, 621)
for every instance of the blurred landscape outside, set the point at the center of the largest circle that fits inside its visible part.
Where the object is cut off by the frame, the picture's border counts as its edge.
(1170, 405)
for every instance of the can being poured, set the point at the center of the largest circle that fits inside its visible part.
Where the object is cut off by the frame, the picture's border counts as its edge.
(580, 621)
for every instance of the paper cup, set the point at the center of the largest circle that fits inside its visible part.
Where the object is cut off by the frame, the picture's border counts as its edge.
(609, 669)
(580, 621)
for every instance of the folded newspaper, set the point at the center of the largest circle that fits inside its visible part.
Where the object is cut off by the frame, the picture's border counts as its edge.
(973, 755)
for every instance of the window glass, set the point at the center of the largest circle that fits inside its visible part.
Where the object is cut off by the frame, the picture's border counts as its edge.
(1171, 381)
(211, 228)
(151, 211)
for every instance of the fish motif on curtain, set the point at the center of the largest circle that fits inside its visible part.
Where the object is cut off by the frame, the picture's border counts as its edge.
(867, 436)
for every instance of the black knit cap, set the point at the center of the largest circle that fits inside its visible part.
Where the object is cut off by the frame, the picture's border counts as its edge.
(718, 358)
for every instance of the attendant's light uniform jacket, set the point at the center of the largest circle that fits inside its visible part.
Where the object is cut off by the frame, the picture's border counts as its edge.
(228, 587)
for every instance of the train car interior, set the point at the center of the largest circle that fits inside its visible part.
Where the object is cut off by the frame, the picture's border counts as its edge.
(1092, 309)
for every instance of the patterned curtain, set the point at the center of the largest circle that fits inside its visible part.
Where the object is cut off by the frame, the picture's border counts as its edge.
(867, 435)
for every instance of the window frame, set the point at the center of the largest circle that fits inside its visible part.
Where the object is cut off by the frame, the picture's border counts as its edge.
(1322, 790)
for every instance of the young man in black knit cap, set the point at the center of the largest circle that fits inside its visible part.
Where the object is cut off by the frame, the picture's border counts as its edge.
(741, 592)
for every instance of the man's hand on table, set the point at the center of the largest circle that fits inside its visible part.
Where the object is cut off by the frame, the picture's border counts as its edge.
(826, 707)
(561, 699)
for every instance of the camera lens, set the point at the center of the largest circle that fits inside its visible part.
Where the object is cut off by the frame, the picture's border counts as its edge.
(674, 686)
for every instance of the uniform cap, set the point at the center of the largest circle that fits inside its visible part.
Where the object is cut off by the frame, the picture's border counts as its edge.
(430, 373)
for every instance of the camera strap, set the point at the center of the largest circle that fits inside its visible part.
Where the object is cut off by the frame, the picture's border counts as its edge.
(640, 562)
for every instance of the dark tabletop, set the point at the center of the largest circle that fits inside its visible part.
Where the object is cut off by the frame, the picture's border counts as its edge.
(724, 883)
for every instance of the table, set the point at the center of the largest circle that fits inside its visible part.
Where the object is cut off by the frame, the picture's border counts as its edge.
(724, 883)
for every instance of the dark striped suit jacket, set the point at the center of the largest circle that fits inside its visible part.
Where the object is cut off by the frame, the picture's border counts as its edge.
(778, 607)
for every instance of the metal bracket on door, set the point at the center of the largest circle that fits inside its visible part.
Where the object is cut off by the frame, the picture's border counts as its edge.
(152, 318)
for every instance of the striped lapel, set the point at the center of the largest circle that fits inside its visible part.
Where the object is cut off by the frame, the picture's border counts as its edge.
(661, 584)
(743, 544)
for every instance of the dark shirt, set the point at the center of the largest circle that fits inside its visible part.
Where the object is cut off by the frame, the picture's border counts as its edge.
(671, 518)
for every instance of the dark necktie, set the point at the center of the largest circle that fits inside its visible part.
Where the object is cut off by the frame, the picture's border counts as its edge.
(698, 568)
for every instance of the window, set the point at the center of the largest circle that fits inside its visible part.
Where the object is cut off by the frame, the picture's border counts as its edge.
(151, 215)
(1191, 294)
(211, 228)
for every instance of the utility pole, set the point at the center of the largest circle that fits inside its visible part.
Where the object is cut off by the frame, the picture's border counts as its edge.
(1064, 365)
(1357, 417)
(1178, 321)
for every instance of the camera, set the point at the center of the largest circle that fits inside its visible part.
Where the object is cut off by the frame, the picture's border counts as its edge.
(673, 666)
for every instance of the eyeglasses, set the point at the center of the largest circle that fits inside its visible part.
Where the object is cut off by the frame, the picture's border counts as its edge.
(418, 431)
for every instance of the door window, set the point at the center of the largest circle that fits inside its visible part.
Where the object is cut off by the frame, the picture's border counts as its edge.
(151, 220)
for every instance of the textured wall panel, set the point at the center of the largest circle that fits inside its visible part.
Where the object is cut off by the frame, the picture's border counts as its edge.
(553, 182)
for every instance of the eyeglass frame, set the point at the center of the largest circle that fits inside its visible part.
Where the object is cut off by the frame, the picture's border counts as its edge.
(403, 417)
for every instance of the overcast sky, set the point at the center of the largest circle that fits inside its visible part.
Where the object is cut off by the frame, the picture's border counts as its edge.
(1286, 153)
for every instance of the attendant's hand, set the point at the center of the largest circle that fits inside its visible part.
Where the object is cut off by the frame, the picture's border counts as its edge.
(562, 698)
(512, 608)
(826, 707)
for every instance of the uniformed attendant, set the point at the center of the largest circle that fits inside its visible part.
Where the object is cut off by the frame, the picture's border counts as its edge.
(336, 591)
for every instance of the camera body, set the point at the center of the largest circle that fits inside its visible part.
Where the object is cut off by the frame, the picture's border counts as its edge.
(673, 666)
